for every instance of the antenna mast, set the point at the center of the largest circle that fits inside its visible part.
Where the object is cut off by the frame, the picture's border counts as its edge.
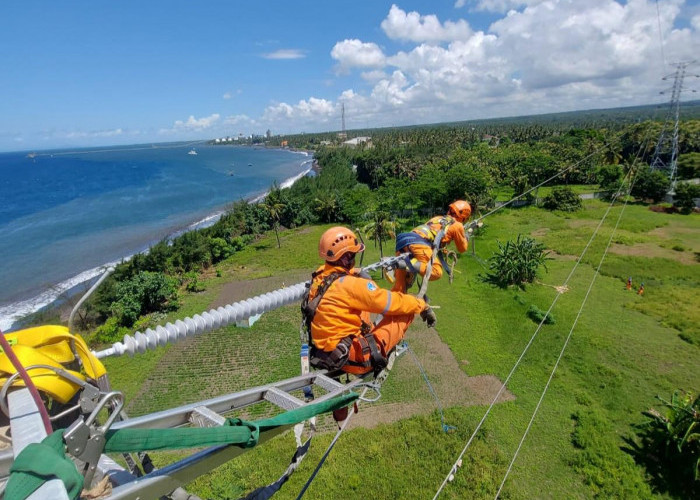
(342, 134)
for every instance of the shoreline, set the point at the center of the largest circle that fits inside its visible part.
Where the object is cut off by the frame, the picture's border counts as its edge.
(57, 296)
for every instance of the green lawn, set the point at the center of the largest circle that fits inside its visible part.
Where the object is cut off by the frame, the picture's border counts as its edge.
(625, 350)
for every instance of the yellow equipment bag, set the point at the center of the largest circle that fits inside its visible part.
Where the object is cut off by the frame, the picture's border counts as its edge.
(50, 345)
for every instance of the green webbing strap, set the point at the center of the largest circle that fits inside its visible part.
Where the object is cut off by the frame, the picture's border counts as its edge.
(41, 462)
(233, 431)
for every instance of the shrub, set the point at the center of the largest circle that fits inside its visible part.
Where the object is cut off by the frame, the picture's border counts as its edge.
(684, 198)
(109, 332)
(562, 198)
(651, 184)
(537, 315)
(670, 444)
(144, 293)
(517, 262)
(192, 283)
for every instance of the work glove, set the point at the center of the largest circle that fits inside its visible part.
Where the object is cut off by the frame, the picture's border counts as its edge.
(428, 315)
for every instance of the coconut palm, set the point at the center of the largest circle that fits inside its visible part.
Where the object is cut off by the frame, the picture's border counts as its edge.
(380, 228)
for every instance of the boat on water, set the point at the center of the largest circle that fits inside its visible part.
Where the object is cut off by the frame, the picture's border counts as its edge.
(32, 155)
(192, 152)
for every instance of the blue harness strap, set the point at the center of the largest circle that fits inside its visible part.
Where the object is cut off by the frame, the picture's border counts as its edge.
(405, 239)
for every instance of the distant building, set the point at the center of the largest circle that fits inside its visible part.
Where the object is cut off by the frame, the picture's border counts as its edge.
(357, 141)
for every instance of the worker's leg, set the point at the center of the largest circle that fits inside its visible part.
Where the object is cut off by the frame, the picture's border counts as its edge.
(388, 333)
(422, 254)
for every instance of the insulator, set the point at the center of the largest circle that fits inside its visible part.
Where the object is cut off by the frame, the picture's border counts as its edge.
(212, 319)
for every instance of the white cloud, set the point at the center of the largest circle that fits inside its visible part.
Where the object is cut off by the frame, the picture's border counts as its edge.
(374, 75)
(695, 22)
(502, 6)
(195, 124)
(238, 120)
(354, 53)
(285, 54)
(413, 27)
(227, 95)
(93, 134)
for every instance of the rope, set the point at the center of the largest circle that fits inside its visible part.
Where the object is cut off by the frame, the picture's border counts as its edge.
(454, 467)
(445, 427)
(328, 450)
(561, 353)
(661, 36)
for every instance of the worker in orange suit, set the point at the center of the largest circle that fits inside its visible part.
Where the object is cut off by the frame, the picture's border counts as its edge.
(337, 310)
(419, 243)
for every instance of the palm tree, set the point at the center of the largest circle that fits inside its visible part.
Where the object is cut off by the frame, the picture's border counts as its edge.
(380, 228)
(275, 208)
(326, 205)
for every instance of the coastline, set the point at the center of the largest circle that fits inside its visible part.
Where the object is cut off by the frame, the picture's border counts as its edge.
(57, 296)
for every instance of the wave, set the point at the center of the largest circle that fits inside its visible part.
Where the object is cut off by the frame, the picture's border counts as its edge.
(12, 313)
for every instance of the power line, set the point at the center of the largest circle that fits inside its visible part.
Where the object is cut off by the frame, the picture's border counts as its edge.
(566, 343)
(458, 462)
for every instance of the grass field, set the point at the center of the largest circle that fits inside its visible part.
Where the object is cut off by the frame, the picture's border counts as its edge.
(624, 350)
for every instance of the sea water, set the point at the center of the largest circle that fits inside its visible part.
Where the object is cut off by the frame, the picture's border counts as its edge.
(65, 215)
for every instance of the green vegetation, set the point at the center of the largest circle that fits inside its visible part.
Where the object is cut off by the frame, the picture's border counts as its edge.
(670, 445)
(626, 348)
(517, 262)
(620, 356)
(562, 198)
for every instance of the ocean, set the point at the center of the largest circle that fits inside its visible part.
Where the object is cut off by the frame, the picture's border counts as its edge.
(66, 215)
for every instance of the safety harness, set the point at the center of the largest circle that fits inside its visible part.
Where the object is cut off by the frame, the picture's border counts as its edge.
(338, 357)
(425, 235)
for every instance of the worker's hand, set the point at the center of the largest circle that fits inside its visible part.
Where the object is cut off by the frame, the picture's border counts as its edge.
(428, 315)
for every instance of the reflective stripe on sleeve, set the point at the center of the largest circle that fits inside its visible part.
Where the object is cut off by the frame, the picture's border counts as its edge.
(388, 302)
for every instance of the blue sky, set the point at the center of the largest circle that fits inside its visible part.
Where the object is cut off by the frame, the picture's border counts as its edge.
(81, 73)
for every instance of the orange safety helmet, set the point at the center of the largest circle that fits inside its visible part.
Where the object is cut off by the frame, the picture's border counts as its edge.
(460, 210)
(336, 242)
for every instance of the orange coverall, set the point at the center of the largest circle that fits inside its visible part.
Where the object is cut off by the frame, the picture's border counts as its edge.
(421, 253)
(348, 302)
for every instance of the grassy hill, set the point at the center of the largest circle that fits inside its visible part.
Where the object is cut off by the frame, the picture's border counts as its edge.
(625, 350)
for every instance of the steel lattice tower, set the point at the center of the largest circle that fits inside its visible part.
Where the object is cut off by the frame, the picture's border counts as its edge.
(666, 151)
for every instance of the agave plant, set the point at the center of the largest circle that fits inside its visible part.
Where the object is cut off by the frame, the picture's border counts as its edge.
(673, 435)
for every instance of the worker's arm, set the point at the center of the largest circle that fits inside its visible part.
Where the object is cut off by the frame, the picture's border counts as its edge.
(456, 233)
(366, 295)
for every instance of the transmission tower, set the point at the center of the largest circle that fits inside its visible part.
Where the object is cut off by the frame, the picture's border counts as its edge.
(666, 151)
